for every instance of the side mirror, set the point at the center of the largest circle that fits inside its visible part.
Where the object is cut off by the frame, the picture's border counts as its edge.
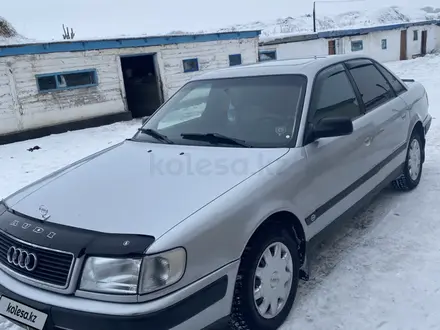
(144, 119)
(331, 127)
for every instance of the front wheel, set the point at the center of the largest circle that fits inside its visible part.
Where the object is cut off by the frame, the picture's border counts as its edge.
(266, 283)
(412, 169)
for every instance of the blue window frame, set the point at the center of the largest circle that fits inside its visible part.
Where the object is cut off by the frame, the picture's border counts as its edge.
(267, 55)
(190, 65)
(59, 81)
(234, 59)
(384, 43)
(357, 45)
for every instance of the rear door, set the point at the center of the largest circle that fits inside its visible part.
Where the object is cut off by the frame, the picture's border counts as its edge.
(386, 112)
(335, 165)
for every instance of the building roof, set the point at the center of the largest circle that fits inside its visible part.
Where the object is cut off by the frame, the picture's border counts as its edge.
(84, 45)
(308, 66)
(344, 33)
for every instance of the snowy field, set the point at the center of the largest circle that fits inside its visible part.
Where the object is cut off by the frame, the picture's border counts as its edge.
(380, 271)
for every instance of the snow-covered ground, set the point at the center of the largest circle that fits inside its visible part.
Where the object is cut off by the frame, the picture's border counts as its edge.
(379, 271)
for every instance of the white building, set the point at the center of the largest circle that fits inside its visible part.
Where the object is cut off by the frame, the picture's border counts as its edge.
(53, 87)
(384, 43)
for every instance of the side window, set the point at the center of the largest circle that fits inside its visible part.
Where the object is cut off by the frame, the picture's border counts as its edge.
(396, 84)
(333, 95)
(372, 86)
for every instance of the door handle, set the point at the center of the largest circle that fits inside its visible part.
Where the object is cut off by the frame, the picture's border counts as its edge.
(367, 141)
(403, 115)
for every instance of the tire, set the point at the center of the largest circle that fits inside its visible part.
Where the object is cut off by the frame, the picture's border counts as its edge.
(410, 178)
(244, 313)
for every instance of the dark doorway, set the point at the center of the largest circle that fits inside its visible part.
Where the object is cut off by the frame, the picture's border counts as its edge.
(424, 41)
(331, 47)
(403, 45)
(142, 84)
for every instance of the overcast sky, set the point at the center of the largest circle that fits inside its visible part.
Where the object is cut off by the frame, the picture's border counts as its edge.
(42, 19)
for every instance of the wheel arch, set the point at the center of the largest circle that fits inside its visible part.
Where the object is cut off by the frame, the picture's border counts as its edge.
(418, 128)
(285, 220)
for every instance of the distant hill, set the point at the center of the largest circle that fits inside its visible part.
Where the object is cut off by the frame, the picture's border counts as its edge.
(286, 25)
(353, 19)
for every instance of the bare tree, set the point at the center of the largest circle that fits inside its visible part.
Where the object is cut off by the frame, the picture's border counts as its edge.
(68, 34)
(6, 29)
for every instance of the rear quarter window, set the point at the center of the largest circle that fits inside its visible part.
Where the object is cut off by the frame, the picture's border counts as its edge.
(373, 87)
(396, 84)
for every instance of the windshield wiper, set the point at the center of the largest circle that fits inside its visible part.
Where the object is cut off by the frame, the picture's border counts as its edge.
(214, 138)
(156, 135)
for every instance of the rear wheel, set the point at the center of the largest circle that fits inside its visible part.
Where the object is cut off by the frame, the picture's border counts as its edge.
(412, 169)
(266, 283)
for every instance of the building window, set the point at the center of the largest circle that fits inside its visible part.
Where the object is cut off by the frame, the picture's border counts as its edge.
(267, 55)
(67, 80)
(234, 59)
(190, 65)
(357, 45)
(416, 35)
(384, 43)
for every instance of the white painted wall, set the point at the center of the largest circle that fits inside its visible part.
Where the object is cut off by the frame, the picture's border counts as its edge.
(46, 109)
(437, 37)
(211, 55)
(8, 121)
(372, 45)
(22, 107)
(414, 46)
(317, 47)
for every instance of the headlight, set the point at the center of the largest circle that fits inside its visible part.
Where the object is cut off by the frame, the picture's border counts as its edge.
(107, 275)
(162, 270)
(122, 276)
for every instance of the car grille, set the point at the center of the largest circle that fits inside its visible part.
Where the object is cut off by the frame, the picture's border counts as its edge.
(53, 267)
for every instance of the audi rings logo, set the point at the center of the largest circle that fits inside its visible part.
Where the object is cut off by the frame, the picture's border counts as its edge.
(22, 258)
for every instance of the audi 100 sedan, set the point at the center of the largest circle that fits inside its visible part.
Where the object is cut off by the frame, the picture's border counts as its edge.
(206, 215)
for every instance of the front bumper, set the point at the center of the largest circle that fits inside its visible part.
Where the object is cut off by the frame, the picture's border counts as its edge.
(206, 306)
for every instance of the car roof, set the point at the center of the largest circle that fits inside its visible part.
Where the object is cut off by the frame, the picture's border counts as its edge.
(306, 66)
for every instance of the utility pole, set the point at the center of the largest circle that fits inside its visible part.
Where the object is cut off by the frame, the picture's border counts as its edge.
(314, 16)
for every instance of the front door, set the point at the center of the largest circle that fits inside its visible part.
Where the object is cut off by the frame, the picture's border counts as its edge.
(424, 41)
(335, 165)
(403, 39)
(331, 47)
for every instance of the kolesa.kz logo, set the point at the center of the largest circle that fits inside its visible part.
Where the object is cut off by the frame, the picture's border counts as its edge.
(15, 310)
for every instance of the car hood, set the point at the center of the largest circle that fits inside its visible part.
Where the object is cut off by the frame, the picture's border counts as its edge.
(139, 188)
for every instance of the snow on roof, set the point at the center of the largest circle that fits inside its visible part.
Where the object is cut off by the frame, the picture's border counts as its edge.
(290, 26)
(295, 37)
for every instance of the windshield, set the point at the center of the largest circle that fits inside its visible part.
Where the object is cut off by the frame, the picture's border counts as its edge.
(258, 111)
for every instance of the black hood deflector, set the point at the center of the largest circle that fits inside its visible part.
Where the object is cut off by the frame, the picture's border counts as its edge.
(70, 239)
